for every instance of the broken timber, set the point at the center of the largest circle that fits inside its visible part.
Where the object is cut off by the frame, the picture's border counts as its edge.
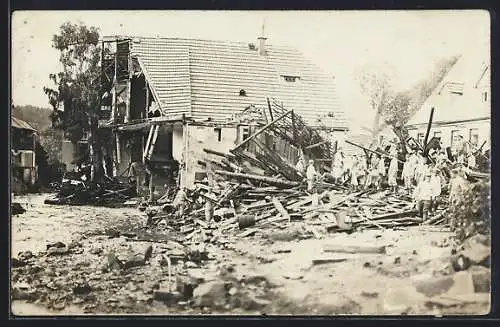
(264, 179)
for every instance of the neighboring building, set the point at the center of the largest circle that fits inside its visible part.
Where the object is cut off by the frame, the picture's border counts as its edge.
(166, 99)
(72, 151)
(462, 109)
(23, 145)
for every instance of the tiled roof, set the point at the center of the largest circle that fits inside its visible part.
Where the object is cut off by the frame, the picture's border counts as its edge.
(21, 124)
(459, 97)
(203, 79)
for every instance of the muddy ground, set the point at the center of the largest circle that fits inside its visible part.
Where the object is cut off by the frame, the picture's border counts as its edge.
(256, 274)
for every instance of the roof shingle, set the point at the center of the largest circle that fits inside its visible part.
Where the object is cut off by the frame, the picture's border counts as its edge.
(203, 79)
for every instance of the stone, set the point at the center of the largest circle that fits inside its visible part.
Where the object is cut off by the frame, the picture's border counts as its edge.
(190, 264)
(56, 245)
(481, 278)
(460, 262)
(57, 250)
(430, 286)
(167, 296)
(135, 260)
(186, 286)
(212, 294)
(96, 250)
(82, 289)
(16, 263)
(202, 275)
(25, 255)
(477, 253)
(113, 262)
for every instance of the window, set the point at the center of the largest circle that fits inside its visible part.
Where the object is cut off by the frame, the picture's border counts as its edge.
(485, 96)
(289, 78)
(218, 133)
(243, 93)
(437, 134)
(420, 138)
(381, 139)
(474, 136)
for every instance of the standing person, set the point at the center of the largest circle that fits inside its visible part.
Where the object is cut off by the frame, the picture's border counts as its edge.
(355, 172)
(373, 175)
(393, 174)
(381, 171)
(407, 173)
(300, 166)
(436, 189)
(311, 175)
(338, 164)
(423, 196)
(363, 169)
(419, 168)
(179, 201)
(136, 174)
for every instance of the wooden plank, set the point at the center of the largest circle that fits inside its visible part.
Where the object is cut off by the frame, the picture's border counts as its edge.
(340, 248)
(277, 204)
(263, 129)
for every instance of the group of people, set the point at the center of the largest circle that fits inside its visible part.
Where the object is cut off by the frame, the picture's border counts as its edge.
(423, 176)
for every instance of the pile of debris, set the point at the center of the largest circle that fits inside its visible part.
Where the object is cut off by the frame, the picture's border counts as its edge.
(76, 191)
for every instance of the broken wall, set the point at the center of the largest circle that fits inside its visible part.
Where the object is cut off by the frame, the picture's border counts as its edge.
(197, 137)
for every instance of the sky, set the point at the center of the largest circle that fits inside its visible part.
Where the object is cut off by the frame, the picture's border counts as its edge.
(342, 43)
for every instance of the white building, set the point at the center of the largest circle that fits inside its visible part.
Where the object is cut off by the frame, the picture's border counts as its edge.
(461, 102)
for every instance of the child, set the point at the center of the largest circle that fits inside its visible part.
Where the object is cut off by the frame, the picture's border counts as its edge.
(423, 196)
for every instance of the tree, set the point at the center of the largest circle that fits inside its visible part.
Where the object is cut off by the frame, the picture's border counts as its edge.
(77, 88)
(375, 84)
(396, 108)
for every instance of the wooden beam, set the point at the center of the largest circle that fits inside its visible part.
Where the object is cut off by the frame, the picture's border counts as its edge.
(312, 146)
(264, 179)
(260, 131)
(429, 124)
(270, 110)
(372, 151)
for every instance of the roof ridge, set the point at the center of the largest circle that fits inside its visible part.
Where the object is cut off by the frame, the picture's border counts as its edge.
(283, 46)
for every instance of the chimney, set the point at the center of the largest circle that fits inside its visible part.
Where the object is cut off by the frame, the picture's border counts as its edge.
(262, 45)
(262, 40)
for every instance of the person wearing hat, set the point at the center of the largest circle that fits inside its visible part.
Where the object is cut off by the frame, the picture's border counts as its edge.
(423, 195)
(310, 175)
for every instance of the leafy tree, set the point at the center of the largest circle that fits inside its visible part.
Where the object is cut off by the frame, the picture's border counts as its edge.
(77, 87)
(396, 108)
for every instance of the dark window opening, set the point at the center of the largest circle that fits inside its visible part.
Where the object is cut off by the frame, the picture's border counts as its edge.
(243, 93)
(218, 132)
(251, 46)
(289, 78)
(485, 96)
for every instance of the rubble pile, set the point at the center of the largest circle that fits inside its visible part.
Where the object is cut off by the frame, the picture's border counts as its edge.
(75, 191)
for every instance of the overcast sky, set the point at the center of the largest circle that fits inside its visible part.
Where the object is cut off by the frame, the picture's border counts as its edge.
(340, 42)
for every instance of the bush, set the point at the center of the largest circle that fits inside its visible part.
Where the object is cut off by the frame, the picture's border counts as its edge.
(469, 210)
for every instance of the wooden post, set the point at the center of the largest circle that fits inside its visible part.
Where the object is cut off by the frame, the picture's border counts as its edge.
(294, 128)
(429, 124)
(129, 85)
(151, 187)
(270, 110)
(147, 97)
(209, 207)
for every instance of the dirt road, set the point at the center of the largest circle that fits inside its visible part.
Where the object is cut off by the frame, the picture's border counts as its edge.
(256, 274)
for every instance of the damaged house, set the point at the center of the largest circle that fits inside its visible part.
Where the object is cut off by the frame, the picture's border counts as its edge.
(166, 99)
(462, 107)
